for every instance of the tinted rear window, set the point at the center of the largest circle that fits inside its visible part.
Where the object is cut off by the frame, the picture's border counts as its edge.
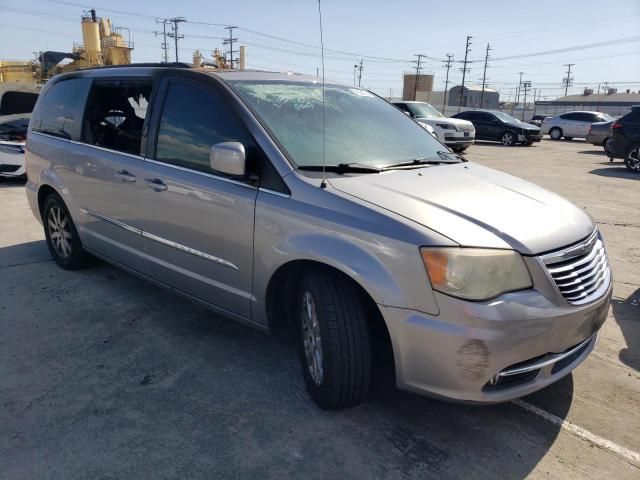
(17, 102)
(60, 110)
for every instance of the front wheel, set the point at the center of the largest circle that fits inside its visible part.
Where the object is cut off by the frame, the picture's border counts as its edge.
(632, 159)
(334, 340)
(61, 234)
(508, 138)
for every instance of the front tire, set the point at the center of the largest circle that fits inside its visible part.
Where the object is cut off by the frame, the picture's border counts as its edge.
(508, 139)
(632, 159)
(61, 234)
(555, 133)
(334, 340)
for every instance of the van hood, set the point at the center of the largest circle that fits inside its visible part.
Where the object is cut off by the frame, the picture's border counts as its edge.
(474, 206)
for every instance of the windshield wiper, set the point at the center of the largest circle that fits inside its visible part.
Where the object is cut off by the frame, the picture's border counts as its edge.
(445, 157)
(343, 168)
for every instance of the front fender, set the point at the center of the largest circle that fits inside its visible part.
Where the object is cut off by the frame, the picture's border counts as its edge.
(350, 258)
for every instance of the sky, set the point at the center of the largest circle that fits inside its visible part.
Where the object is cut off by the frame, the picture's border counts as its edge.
(284, 35)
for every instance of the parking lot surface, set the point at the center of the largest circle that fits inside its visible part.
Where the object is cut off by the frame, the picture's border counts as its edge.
(104, 376)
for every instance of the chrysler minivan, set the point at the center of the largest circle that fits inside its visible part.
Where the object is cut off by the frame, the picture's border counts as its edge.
(324, 212)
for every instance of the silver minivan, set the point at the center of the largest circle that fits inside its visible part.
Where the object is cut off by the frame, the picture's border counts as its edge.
(326, 213)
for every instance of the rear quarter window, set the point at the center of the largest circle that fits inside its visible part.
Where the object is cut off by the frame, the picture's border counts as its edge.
(17, 102)
(59, 111)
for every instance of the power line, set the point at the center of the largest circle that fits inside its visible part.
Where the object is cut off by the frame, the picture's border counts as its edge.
(174, 34)
(164, 45)
(464, 68)
(446, 82)
(484, 76)
(415, 83)
(230, 41)
(572, 49)
(568, 81)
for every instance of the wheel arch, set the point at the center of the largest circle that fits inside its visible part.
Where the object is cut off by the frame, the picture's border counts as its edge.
(280, 306)
(43, 192)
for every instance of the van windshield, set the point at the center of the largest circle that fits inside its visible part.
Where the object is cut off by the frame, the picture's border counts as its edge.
(361, 128)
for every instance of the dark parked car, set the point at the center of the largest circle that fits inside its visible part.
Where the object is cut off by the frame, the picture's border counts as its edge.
(599, 134)
(537, 120)
(625, 139)
(501, 127)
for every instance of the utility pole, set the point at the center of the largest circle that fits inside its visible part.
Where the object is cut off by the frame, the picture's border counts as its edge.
(174, 33)
(568, 81)
(230, 41)
(526, 85)
(517, 93)
(360, 68)
(484, 76)
(415, 83)
(164, 45)
(355, 69)
(464, 69)
(448, 63)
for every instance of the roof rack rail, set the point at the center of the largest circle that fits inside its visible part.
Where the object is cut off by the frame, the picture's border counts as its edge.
(149, 64)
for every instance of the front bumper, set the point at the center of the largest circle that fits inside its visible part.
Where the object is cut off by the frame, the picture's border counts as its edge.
(528, 138)
(459, 354)
(458, 139)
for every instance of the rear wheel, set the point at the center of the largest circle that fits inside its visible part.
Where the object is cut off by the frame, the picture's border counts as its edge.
(459, 149)
(508, 138)
(555, 133)
(334, 340)
(632, 159)
(61, 234)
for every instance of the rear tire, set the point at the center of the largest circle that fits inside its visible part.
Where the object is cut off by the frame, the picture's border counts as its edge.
(632, 159)
(334, 339)
(555, 133)
(61, 234)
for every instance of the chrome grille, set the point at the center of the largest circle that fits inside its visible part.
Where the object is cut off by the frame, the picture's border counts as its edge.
(581, 272)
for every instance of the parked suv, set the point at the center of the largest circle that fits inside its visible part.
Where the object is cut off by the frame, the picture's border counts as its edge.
(333, 216)
(625, 139)
(572, 125)
(455, 133)
(498, 126)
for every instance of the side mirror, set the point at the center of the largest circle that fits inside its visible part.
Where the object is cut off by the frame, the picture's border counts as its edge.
(228, 158)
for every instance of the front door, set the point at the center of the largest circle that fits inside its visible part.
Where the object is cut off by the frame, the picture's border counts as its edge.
(198, 227)
(104, 172)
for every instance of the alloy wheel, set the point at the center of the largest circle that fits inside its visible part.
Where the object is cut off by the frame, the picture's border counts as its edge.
(633, 159)
(311, 338)
(59, 231)
(507, 139)
(555, 134)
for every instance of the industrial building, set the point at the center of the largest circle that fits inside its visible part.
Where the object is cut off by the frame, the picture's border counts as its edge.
(415, 86)
(102, 44)
(612, 102)
(473, 97)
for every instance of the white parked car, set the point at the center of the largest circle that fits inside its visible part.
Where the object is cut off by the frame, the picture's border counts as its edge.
(13, 134)
(457, 134)
(572, 124)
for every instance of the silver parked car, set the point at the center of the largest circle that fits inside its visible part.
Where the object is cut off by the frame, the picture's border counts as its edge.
(572, 125)
(333, 216)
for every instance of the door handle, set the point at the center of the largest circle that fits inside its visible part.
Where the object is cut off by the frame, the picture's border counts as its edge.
(125, 176)
(155, 184)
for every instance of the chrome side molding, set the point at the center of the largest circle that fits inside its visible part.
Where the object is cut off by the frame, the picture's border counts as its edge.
(161, 240)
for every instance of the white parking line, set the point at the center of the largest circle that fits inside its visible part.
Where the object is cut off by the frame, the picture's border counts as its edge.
(629, 455)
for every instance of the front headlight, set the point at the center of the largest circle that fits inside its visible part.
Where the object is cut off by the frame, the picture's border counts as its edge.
(475, 273)
(446, 126)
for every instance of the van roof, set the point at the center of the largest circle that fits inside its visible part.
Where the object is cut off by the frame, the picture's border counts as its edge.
(225, 74)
